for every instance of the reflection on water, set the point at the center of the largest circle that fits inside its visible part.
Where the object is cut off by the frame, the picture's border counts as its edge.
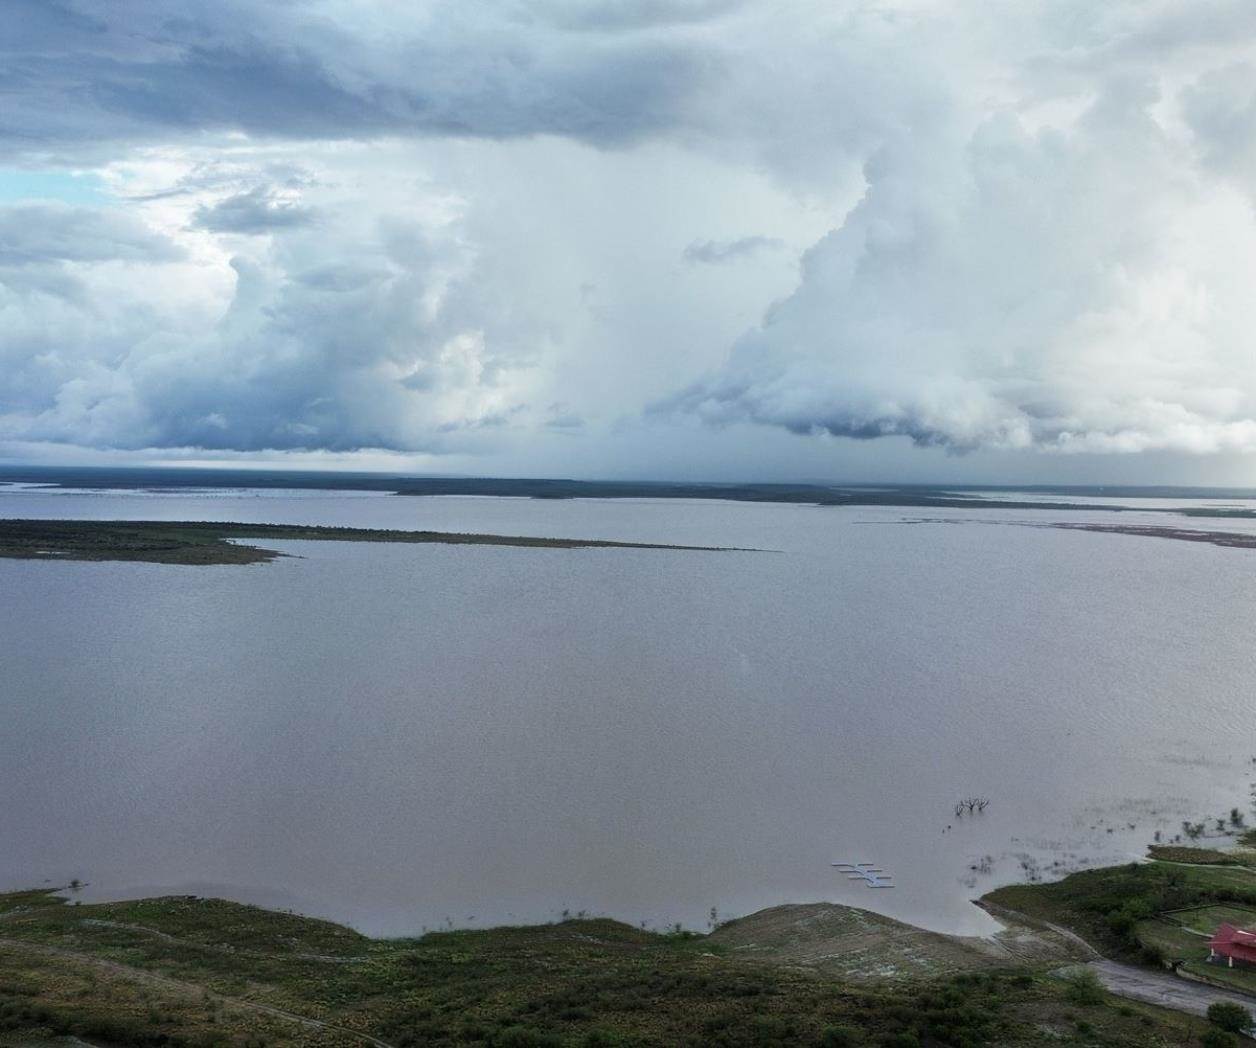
(405, 736)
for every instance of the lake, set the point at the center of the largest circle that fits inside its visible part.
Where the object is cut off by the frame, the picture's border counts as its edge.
(408, 737)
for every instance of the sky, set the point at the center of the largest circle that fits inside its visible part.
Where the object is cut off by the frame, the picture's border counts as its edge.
(861, 240)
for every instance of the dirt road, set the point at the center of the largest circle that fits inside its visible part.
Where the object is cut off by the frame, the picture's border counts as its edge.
(1168, 991)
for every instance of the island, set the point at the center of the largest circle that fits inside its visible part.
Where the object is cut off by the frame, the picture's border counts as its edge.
(209, 542)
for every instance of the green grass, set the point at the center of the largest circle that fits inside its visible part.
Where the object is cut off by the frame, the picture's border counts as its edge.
(1170, 941)
(1172, 936)
(1225, 883)
(216, 923)
(1202, 856)
(1205, 919)
(1243, 980)
(1106, 906)
(1122, 910)
(579, 983)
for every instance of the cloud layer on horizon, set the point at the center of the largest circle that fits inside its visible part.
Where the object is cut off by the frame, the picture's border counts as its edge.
(473, 229)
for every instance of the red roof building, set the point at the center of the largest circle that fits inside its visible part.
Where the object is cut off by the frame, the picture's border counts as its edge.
(1233, 947)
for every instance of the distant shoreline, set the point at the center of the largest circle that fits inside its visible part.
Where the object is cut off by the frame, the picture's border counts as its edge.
(206, 542)
(936, 496)
(1227, 539)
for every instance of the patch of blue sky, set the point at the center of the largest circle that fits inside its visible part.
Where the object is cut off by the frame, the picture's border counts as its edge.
(70, 187)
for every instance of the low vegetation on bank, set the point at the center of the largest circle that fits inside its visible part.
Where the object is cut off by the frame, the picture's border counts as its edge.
(1107, 906)
(201, 973)
(1157, 913)
(1201, 856)
(201, 542)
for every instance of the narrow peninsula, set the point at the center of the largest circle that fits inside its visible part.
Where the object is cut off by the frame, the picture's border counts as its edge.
(207, 542)
(1228, 539)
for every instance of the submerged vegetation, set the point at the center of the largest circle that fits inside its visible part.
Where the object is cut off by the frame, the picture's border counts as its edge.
(204, 542)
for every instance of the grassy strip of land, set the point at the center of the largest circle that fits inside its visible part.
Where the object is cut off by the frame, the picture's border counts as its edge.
(1229, 539)
(1200, 856)
(204, 542)
(1155, 912)
(194, 972)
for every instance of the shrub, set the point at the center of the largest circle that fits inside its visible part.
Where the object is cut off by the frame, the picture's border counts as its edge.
(1232, 1017)
(1084, 987)
(603, 1039)
(522, 1037)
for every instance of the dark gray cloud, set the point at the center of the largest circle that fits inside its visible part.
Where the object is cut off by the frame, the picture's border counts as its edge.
(714, 252)
(43, 233)
(256, 210)
(80, 75)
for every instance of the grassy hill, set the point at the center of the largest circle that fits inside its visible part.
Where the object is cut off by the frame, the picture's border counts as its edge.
(202, 972)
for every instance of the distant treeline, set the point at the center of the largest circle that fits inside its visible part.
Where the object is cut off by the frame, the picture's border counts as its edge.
(938, 497)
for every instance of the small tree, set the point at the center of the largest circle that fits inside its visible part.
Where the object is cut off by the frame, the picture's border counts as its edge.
(1232, 1017)
(1084, 987)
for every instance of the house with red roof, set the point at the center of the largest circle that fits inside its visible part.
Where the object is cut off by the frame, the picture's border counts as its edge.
(1233, 947)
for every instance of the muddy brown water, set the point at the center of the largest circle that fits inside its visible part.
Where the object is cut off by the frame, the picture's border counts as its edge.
(406, 737)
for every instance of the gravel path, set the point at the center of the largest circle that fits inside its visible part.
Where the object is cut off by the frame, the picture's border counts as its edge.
(1168, 991)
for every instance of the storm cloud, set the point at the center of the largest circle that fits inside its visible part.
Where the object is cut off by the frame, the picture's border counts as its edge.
(1037, 289)
(81, 75)
(539, 231)
(257, 210)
